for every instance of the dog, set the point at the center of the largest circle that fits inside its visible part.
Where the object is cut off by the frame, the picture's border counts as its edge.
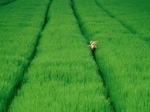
(92, 45)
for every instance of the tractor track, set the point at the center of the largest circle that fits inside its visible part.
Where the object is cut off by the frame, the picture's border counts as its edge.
(130, 29)
(125, 25)
(19, 83)
(94, 58)
(7, 3)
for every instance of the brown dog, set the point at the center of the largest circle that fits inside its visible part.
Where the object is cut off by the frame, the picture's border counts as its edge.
(92, 45)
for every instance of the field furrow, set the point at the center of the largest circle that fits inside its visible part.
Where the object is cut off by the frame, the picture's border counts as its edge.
(6, 2)
(33, 54)
(134, 15)
(20, 24)
(93, 54)
(130, 29)
(122, 56)
(46, 64)
(63, 76)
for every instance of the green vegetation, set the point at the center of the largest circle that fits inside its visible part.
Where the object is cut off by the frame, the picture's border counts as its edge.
(63, 76)
(5, 2)
(133, 14)
(20, 24)
(46, 66)
(122, 56)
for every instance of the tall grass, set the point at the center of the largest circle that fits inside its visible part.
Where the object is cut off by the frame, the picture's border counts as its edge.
(122, 56)
(134, 14)
(20, 24)
(63, 76)
(5, 2)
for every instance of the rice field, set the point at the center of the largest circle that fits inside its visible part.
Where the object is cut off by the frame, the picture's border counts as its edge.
(63, 75)
(132, 14)
(46, 65)
(122, 56)
(20, 24)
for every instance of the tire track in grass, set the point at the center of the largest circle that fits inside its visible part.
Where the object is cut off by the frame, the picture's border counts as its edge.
(94, 57)
(130, 29)
(125, 25)
(6, 2)
(79, 24)
(19, 83)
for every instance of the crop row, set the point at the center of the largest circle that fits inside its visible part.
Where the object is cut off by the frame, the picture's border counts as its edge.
(122, 57)
(20, 24)
(134, 14)
(63, 76)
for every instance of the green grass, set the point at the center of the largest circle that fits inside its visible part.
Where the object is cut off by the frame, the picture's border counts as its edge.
(63, 76)
(134, 14)
(20, 24)
(5, 2)
(60, 75)
(121, 55)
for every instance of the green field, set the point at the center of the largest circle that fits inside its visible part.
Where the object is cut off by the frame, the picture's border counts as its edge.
(46, 66)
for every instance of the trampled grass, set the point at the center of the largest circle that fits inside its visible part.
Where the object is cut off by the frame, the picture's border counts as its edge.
(20, 24)
(122, 56)
(63, 76)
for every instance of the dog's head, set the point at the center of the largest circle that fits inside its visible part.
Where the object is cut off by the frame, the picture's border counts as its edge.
(93, 44)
